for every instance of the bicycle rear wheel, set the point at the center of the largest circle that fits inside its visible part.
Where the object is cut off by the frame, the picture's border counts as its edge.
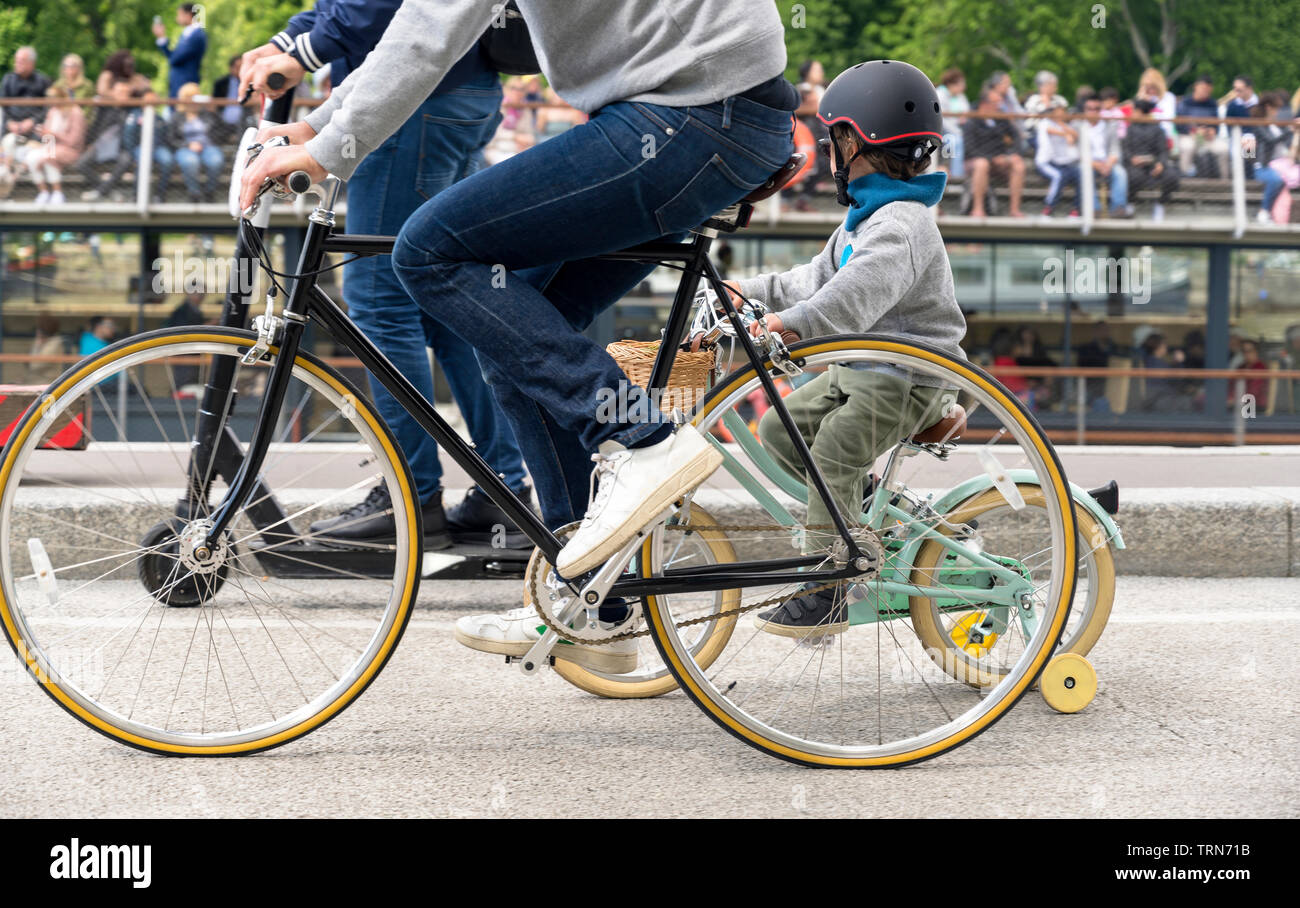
(857, 689)
(952, 635)
(103, 600)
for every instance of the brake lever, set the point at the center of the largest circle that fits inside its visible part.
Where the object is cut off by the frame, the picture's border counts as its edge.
(268, 185)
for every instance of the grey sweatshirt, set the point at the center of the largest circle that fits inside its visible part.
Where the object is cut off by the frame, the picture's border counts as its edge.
(677, 53)
(896, 281)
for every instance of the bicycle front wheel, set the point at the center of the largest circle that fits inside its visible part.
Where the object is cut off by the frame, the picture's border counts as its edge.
(844, 678)
(113, 614)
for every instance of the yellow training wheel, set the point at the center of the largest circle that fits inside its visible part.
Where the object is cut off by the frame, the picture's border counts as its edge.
(1068, 683)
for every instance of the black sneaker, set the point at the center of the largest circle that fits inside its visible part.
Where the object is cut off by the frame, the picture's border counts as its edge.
(476, 520)
(371, 521)
(807, 615)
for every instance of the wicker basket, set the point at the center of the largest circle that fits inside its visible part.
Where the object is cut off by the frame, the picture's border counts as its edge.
(687, 384)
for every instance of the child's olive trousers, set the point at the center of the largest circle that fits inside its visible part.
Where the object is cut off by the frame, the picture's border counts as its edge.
(848, 418)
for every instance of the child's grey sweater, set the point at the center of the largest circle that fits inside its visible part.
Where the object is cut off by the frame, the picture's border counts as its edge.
(678, 53)
(896, 281)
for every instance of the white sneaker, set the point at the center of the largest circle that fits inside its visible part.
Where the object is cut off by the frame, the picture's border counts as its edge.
(1264, 217)
(1158, 212)
(630, 488)
(43, 197)
(515, 632)
(57, 197)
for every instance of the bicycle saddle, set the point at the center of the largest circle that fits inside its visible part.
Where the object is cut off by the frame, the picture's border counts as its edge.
(947, 429)
(777, 181)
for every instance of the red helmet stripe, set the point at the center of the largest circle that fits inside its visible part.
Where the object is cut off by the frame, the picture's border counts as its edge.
(858, 130)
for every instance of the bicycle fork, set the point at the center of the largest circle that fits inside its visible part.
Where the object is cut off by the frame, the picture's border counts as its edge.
(285, 332)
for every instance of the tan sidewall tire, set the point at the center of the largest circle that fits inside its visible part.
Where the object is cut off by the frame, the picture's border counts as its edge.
(614, 689)
(939, 647)
(404, 494)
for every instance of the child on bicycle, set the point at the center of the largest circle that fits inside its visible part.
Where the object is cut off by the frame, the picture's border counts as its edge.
(884, 270)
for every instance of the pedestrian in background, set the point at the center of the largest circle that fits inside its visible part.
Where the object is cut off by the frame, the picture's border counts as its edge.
(185, 60)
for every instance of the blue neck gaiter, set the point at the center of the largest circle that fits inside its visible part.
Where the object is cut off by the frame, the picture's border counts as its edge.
(875, 190)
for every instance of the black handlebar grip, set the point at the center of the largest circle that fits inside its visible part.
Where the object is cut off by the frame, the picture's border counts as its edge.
(299, 181)
(275, 81)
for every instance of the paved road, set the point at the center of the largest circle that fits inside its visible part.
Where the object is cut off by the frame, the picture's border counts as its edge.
(1197, 716)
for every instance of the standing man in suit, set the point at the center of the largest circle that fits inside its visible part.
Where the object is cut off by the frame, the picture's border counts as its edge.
(186, 58)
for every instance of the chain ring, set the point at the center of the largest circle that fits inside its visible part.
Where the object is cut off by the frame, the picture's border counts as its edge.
(565, 634)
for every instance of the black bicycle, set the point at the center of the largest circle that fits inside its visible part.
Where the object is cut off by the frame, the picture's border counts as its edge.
(170, 594)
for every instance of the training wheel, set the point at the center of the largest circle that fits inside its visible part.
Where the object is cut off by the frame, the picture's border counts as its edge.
(1069, 683)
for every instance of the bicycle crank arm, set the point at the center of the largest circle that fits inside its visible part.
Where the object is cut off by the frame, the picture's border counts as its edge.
(589, 597)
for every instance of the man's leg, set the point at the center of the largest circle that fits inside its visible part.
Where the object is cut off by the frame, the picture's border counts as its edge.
(1219, 148)
(1118, 188)
(1070, 177)
(424, 156)
(979, 185)
(558, 460)
(590, 190)
(188, 162)
(213, 160)
(1187, 153)
(1053, 175)
(1015, 167)
(163, 159)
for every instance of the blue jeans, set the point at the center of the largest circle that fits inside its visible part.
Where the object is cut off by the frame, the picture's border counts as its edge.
(1118, 188)
(505, 259)
(210, 159)
(1058, 177)
(441, 143)
(1272, 181)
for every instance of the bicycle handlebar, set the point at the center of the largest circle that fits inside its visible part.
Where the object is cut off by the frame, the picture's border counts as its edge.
(275, 82)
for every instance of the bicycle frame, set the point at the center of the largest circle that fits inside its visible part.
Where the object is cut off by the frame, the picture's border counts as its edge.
(306, 301)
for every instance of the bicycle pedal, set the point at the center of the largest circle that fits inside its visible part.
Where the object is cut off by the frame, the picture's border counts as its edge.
(514, 660)
(821, 641)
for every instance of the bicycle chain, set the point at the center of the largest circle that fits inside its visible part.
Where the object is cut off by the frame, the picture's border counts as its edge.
(566, 634)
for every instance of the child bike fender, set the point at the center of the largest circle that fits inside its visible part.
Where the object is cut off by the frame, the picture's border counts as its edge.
(977, 484)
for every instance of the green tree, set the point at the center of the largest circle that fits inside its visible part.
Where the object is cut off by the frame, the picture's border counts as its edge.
(96, 28)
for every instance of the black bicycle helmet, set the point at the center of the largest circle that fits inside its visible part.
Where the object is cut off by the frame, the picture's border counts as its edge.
(891, 105)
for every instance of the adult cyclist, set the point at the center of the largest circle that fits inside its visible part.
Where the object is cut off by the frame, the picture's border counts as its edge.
(689, 111)
(438, 144)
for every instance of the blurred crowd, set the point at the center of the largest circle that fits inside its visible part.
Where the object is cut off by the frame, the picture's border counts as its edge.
(1132, 142)
(1148, 349)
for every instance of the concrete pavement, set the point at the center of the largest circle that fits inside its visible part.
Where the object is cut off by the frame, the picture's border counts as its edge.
(1196, 716)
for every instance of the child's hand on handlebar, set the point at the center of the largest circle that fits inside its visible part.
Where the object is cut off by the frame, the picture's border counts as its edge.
(774, 325)
(276, 164)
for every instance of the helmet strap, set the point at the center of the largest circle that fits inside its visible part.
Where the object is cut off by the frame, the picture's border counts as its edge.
(841, 172)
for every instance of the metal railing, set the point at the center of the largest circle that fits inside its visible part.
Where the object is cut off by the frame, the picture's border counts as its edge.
(1075, 405)
(133, 154)
(1189, 405)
